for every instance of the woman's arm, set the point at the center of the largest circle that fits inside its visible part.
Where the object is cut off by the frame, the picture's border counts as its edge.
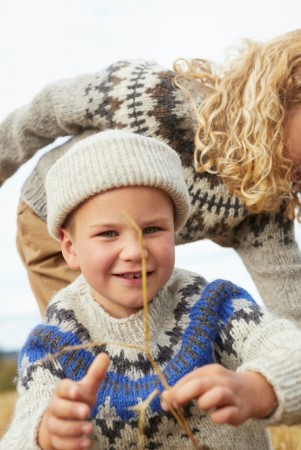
(119, 96)
(267, 246)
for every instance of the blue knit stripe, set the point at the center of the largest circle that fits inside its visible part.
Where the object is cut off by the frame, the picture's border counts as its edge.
(214, 307)
(49, 339)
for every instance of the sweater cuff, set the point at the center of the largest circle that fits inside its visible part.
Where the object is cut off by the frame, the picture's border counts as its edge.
(38, 416)
(286, 382)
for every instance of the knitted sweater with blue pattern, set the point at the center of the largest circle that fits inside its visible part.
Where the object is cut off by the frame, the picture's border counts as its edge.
(192, 323)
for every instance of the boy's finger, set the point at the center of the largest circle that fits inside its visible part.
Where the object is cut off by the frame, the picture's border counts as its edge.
(96, 373)
(229, 414)
(63, 443)
(195, 374)
(68, 389)
(208, 370)
(179, 396)
(216, 397)
(68, 428)
(66, 409)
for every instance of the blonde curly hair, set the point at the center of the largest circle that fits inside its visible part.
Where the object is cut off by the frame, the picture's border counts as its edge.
(241, 135)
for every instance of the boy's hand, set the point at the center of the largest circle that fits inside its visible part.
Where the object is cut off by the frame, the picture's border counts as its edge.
(64, 425)
(235, 397)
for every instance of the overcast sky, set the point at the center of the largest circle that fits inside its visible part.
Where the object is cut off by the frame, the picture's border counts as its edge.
(42, 41)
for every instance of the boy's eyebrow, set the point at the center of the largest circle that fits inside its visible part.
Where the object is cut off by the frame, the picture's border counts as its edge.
(156, 219)
(103, 224)
(146, 222)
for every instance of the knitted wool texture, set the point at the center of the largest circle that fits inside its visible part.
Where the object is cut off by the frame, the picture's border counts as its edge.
(139, 96)
(108, 160)
(192, 323)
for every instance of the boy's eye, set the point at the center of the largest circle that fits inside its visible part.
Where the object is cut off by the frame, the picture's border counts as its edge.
(108, 234)
(151, 230)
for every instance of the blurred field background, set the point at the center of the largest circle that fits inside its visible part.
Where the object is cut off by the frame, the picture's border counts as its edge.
(283, 438)
(8, 369)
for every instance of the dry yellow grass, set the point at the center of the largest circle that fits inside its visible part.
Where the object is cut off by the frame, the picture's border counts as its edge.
(7, 403)
(283, 438)
(286, 438)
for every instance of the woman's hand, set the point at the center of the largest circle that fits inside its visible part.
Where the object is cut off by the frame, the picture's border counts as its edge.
(65, 424)
(234, 397)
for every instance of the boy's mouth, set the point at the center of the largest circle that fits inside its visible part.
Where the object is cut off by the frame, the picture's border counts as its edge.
(131, 275)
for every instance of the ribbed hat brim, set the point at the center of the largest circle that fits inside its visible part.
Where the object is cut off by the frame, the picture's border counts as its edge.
(108, 160)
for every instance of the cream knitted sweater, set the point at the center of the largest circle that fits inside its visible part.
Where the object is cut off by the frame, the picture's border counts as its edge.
(192, 323)
(139, 96)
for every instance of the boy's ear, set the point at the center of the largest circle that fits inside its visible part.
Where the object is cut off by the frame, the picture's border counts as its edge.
(68, 249)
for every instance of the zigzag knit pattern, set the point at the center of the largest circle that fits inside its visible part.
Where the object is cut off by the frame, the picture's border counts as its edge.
(192, 324)
(214, 308)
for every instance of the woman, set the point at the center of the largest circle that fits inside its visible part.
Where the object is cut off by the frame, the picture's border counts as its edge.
(238, 137)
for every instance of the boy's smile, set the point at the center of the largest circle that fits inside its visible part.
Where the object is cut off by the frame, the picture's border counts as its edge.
(104, 245)
(131, 278)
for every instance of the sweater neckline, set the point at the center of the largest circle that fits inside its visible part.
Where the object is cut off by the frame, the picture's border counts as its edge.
(129, 329)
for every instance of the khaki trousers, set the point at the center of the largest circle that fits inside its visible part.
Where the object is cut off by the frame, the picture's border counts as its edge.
(41, 255)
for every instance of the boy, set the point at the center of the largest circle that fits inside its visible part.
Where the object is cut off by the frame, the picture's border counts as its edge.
(210, 341)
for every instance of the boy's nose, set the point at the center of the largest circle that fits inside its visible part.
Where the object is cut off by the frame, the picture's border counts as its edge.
(131, 251)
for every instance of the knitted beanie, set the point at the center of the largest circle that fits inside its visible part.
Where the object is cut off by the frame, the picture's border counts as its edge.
(108, 160)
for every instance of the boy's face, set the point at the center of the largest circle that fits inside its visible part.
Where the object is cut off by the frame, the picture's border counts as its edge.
(105, 246)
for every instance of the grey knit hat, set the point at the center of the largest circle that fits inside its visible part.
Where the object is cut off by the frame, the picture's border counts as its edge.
(108, 160)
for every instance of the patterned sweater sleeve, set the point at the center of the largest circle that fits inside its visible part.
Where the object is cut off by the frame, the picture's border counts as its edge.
(251, 338)
(267, 246)
(36, 125)
(274, 351)
(68, 107)
(23, 431)
(135, 95)
(35, 385)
